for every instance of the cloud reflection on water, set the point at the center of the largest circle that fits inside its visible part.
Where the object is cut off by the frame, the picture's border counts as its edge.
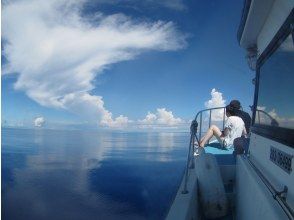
(50, 174)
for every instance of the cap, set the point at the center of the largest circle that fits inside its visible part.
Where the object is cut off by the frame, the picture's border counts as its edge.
(235, 104)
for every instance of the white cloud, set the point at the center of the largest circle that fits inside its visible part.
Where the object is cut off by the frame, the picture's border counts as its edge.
(165, 117)
(162, 118)
(216, 100)
(273, 114)
(149, 119)
(57, 53)
(262, 108)
(266, 116)
(39, 122)
(119, 122)
(92, 108)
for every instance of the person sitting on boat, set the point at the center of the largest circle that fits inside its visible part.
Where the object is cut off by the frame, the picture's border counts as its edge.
(241, 144)
(234, 128)
(236, 105)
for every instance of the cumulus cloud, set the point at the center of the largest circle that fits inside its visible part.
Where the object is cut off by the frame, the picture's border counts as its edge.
(57, 53)
(165, 117)
(149, 119)
(216, 100)
(39, 122)
(92, 108)
(162, 118)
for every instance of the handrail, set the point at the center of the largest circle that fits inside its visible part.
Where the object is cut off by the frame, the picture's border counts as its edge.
(279, 196)
(193, 136)
(209, 121)
(192, 140)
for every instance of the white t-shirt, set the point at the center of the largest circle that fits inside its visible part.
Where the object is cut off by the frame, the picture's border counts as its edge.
(235, 126)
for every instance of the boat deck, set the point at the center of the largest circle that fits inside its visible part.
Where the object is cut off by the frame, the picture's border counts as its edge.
(227, 161)
(223, 156)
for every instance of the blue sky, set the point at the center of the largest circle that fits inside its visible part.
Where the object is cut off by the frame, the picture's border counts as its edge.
(158, 74)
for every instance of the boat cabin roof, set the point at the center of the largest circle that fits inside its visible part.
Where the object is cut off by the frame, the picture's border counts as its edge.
(261, 20)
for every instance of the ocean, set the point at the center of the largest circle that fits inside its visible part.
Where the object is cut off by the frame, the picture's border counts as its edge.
(57, 174)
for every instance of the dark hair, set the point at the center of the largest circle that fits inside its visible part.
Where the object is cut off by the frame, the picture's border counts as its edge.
(235, 104)
(230, 110)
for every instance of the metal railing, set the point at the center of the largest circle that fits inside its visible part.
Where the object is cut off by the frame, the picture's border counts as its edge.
(200, 116)
(197, 135)
(279, 196)
(274, 122)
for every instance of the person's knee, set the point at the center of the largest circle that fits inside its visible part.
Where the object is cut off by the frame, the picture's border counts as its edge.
(215, 130)
(213, 127)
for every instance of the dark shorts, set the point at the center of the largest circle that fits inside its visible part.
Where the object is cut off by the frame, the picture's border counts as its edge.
(241, 145)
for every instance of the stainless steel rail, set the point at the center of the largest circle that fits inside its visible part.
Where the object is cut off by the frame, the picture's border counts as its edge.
(279, 196)
(274, 122)
(195, 136)
(200, 113)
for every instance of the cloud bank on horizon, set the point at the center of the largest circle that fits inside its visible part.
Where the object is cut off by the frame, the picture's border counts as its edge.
(39, 122)
(162, 117)
(57, 53)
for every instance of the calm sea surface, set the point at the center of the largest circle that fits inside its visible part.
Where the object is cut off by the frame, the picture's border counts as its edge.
(50, 174)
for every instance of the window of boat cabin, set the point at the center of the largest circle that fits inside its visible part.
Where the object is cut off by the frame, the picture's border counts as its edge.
(275, 104)
(273, 117)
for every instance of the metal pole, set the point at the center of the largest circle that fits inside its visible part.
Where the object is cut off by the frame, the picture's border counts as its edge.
(209, 118)
(193, 151)
(209, 122)
(224, 118)
(200, 126)
(185, 191)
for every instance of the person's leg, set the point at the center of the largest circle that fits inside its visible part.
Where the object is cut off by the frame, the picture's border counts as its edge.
(213, 130)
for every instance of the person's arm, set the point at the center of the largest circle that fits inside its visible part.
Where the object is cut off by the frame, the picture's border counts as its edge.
(244, 132)
(227, 128)
(226, 132)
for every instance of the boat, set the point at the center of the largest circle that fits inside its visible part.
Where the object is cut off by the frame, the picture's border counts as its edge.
(258, 181)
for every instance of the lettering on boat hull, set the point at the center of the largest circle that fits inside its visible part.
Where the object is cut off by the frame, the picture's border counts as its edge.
(281, 159)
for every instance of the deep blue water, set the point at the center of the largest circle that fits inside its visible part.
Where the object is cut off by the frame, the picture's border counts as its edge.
(52, 174)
